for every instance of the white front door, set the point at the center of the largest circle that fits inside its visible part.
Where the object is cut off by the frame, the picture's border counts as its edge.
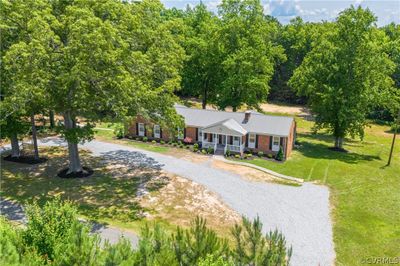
(236, 141)
(275, 143)
(141, 129)
(252, 141)
(157, 131)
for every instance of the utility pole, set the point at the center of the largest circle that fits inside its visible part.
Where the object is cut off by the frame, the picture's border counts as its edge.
(394, 138)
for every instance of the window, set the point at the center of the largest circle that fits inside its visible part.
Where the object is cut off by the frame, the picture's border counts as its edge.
(276, 143)
(157, 131)
(200, 135)
(252, 140)
(236, 141)
(141, 129)
(180, 133)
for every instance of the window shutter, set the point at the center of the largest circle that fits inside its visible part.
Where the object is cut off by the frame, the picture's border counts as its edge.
(270, 142)
(184, 132)
(152, 134)
(145, 130)
(256, 141)
(197, 134)
(230, 140)
(137, 129)
(281, 141)
(247, 140)
(211, 137)
(160, 133)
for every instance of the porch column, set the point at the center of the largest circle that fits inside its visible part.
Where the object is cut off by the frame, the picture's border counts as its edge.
(226, 140)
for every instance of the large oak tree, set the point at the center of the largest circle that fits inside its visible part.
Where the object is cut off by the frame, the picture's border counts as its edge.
(346, 74)
(109, 57)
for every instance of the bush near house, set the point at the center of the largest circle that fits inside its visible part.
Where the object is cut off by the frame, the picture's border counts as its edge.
(195, 147)
(54, 236)
(260, 154)
(145, 139)
(279, 155)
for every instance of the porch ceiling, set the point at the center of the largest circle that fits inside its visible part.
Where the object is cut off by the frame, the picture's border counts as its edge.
(225, 127)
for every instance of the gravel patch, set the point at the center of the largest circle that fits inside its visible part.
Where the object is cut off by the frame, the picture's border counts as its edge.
(301, 213)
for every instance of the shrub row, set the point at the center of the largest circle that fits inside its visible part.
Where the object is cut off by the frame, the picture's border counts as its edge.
(54, 236)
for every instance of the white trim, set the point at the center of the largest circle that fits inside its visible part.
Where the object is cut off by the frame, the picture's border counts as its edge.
(252, 145)
(199, 134)
(236, 143)
(157, 135)
(141, 129)
(276, 147)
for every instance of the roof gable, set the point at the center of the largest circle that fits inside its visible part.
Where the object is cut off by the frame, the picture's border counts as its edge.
(226, 127)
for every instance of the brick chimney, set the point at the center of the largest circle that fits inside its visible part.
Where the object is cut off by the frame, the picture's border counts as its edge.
(247, 116)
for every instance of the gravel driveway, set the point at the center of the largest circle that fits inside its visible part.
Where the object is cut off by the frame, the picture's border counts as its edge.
(301, 213)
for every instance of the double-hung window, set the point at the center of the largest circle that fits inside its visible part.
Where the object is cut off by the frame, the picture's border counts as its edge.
(141, 129)
(276, 143)
(157, 131)
(200, 135)
(252, 140)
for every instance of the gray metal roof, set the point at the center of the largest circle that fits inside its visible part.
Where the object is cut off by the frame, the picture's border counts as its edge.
(258, 123)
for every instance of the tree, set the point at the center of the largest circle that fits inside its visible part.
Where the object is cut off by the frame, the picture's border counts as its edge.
(109, 57)
(249, 53)
(297, 38)
(21, 21)
(345, 74)
(201, 72)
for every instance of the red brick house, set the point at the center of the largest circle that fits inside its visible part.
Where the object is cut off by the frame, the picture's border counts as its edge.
(236, 131)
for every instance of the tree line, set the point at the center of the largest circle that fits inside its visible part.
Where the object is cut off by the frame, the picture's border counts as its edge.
(54, 236)
(115, 59)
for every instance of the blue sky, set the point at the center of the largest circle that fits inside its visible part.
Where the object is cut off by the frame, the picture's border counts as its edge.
(387, 11)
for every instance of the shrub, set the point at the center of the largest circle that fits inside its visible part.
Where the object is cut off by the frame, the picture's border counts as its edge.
(195, 147)
(145, 139)
(228, 152)
(48, 226)
(180, 142)
(210, 150)
(153, 141)
(260, 154)
(170, 142)
(269, 249)
(237, 156)
(162, 142)
(188, 140)
(279, 155)
(270, 155)
(119, 131)
(203, 151)
(187, 146)
(249, 155)
(70, 243)
(174, 144)
(137, 139)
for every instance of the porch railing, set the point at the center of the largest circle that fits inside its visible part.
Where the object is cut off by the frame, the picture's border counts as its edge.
(234, 148)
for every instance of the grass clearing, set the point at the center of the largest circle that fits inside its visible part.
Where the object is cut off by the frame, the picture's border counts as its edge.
(365, 193)
(111, 195)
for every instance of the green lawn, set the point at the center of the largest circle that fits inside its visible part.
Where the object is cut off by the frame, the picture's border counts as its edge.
(365, 195)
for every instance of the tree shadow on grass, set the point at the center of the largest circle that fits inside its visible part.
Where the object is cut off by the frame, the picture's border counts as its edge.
(111, 192)
(320, 149)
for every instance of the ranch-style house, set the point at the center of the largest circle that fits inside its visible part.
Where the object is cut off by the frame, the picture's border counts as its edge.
(236, 131)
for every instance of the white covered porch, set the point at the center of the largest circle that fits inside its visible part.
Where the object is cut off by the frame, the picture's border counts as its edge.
(223, 136)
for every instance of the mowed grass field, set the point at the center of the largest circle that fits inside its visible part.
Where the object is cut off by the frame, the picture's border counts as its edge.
(365, 194)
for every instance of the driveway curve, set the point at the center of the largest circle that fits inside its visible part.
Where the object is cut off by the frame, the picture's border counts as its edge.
(302, 214)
